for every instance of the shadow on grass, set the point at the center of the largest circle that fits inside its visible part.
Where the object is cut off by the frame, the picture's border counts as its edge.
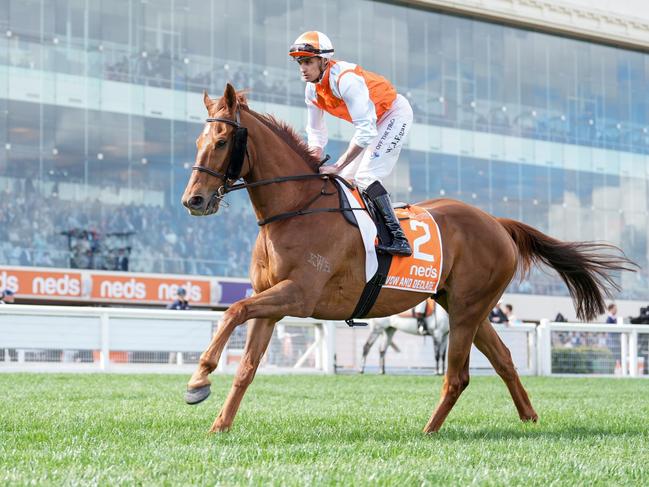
(337, 434)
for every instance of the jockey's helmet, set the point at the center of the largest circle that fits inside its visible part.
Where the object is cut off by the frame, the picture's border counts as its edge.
(311, 44)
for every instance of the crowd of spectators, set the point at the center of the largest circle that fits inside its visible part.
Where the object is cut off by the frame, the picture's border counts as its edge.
(163, 239)
(160, 239)
(162, 68)
(429, 108)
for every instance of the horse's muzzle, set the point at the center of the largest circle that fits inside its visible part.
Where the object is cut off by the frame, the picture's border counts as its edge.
(201, 206)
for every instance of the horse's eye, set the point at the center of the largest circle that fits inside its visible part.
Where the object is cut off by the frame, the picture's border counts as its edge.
(221, 143)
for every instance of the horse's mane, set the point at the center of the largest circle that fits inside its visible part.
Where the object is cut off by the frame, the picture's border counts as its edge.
(282, 129)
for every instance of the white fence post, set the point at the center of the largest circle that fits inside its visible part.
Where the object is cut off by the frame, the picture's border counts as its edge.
(544, 348)
(532, 352)
(319, 339)
(624, 347)
(633, 353)
(329, 347)
(104, 354)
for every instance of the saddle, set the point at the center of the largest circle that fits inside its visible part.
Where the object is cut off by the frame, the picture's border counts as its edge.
(382, 230)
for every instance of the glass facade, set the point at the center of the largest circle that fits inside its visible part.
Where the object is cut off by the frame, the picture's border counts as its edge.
(100, 105)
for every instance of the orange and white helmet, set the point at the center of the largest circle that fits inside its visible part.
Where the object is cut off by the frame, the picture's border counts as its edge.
(310, 44)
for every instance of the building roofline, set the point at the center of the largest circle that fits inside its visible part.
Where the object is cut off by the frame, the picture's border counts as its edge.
(551, 16)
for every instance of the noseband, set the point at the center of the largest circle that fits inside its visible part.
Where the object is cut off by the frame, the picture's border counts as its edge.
(237, 154)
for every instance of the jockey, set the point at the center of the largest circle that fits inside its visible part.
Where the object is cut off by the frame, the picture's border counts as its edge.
(381, 117)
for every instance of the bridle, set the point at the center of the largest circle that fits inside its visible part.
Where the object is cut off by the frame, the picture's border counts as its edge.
(233, 173)
(237, 154)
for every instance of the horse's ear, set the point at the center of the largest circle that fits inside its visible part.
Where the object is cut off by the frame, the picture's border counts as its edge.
(206, 99)
(230, 96)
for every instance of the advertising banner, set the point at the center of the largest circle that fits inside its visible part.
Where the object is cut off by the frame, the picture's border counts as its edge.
(94, 286)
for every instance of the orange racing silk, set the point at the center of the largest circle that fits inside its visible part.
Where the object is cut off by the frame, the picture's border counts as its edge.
(348, 92)
(381, 91)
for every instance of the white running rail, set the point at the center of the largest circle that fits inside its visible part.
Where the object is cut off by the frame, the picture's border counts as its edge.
(68, 338)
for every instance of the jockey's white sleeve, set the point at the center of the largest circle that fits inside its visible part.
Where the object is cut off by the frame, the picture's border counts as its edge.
(356, 96)
(316, 128)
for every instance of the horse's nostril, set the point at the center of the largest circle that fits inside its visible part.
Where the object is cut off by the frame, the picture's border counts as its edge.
(195, 202)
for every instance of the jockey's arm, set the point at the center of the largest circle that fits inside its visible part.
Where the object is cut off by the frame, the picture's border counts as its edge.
(354, 92)
(316, 129)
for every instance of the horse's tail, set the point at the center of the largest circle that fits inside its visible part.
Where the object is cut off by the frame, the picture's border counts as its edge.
(585, 267)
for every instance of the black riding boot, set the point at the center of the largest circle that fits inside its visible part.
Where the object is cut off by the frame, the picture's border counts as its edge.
(381, 199)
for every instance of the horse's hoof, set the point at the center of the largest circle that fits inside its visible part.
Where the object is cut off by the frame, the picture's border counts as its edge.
(194, 396)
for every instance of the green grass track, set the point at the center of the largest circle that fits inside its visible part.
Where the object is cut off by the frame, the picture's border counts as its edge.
(93, 429)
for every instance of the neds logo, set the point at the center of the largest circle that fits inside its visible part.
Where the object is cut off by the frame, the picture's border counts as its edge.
(131, 289)
(53, 286)
(167, 292)
(8, 281)
(423, 271)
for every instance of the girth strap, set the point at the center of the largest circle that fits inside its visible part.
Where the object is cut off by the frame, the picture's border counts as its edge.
(371, 290)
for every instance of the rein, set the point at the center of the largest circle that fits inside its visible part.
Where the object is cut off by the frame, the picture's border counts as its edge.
(235, 164)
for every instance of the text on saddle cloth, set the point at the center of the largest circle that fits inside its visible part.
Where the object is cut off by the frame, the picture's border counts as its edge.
(422, 270)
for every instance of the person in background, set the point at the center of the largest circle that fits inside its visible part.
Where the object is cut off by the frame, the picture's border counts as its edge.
(7, 297)
(511, 317)
(497, 315)
(611, 316)
(181, 300)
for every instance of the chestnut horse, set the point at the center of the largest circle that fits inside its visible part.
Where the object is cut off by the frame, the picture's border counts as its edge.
(309, 262)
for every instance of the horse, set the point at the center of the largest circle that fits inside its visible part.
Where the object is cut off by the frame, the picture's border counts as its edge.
(436, 327)
(307, 261)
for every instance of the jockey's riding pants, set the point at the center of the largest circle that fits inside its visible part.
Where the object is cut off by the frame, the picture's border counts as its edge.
(378, 159)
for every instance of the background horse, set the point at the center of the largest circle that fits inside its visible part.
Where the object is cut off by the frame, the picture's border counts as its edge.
(309, 262)
(436, 326)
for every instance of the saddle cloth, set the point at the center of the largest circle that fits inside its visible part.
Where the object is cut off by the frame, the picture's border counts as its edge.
(419, 272)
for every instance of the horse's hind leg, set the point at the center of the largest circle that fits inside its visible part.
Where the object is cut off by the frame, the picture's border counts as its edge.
(374, 334)
(490, 344)
(457, 375)
(260, 332)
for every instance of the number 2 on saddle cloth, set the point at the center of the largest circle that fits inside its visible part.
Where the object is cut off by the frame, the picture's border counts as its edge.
(419, 272)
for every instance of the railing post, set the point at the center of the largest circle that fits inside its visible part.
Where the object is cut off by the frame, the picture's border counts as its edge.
(179, 358)
(633, 353)
(104, 357)
(328, 347)
(624, 346)
(544, 348)
(532, 352)
(319, 339)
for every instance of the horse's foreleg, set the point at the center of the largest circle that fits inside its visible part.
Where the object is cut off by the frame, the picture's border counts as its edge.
(388, 334)
(490, 344)
(260, 332)
(285, 298)
(209, 359)
(374, 334)
(441, 343)
(444, 348)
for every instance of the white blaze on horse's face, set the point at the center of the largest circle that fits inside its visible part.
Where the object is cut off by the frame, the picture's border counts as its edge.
(201, 196)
